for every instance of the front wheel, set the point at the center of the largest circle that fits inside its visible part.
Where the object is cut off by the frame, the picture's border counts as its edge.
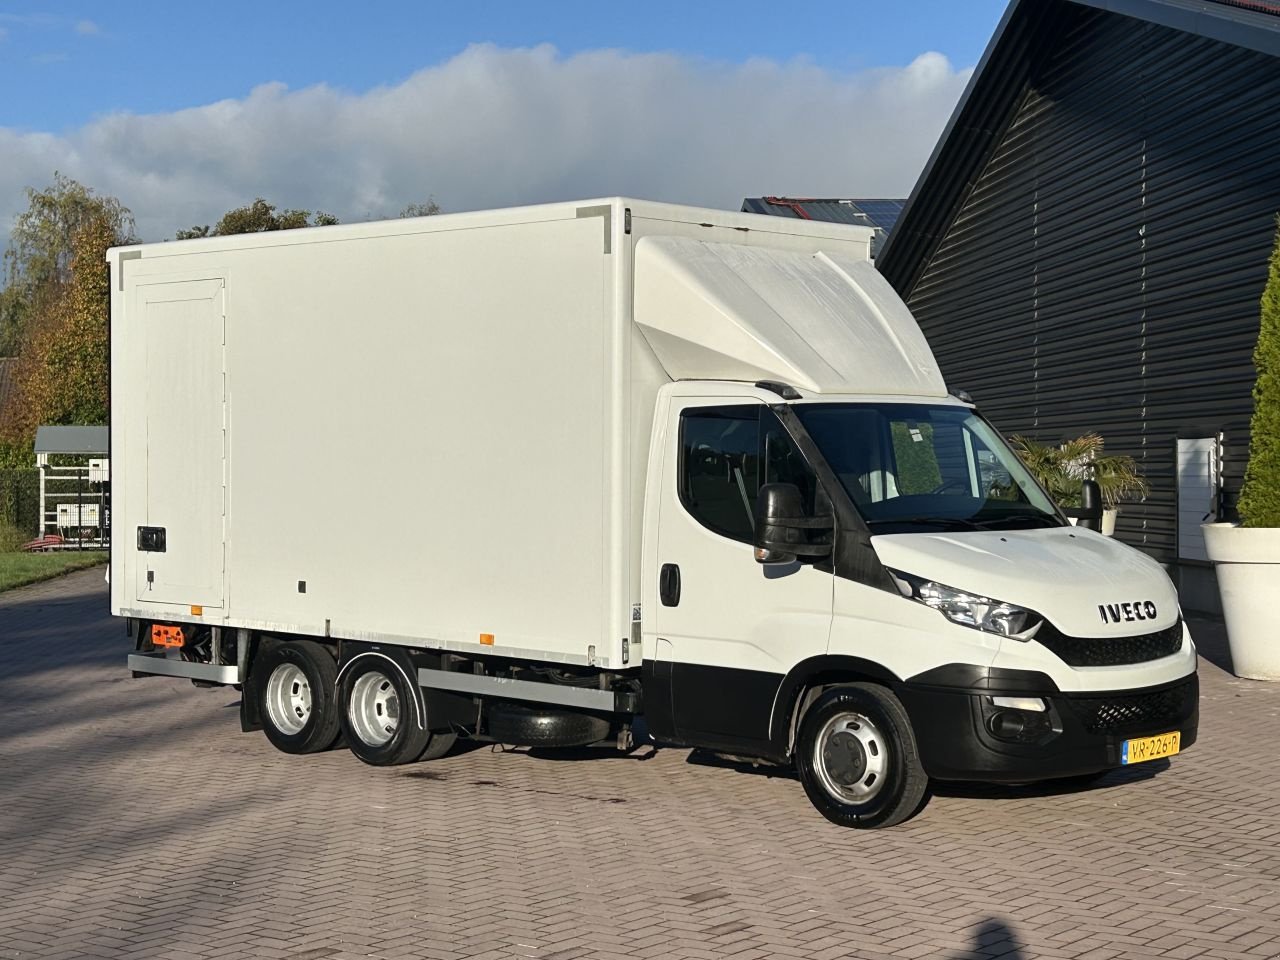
(857, 757)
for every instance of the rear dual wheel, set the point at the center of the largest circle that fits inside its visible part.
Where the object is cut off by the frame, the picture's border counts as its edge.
(381, 716)
(304, 709)
(295, 683)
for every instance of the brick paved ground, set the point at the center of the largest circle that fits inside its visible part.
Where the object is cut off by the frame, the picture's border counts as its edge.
(136, 821)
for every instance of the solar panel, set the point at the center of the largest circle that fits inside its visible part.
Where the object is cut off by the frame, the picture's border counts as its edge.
(882, 213)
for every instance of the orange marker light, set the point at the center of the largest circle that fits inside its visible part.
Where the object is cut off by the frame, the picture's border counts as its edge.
(486, 639)
(197, 611)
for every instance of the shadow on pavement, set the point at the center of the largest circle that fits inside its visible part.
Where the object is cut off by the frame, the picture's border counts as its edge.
(1210, 637)
(994, 938)
(759, 768)
(1052, 788)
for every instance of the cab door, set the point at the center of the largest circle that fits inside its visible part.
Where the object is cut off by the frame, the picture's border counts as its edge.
(728, 629)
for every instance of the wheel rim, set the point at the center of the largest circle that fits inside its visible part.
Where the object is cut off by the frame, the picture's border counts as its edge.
(851, 757)
(374, 708)
(288, 699)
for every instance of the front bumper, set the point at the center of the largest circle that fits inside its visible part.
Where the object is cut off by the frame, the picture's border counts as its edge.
(951, 713)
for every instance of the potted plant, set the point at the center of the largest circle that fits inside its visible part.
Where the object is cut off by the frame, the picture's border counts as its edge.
(1246, 555)
(1062, 469)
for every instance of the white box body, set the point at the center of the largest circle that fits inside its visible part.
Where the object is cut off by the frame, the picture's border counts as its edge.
(417, 432)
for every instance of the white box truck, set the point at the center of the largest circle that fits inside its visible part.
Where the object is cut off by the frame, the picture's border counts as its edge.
(533, 475)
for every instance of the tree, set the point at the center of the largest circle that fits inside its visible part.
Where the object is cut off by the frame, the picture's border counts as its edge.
(62, 372)
(54, 311)
(428, 209)
(37, 263)
(259, 217)
(1061, 470)
(1260, 496)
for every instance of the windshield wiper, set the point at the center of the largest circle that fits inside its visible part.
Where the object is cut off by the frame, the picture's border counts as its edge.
(1036, 519)
(952, 523)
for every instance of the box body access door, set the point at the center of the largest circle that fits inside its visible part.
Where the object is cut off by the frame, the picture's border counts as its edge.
(182, 427)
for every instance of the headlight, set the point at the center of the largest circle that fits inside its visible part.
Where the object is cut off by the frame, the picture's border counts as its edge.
(970, 609)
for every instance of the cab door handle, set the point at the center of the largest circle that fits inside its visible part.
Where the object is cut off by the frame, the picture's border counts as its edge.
(669, 585)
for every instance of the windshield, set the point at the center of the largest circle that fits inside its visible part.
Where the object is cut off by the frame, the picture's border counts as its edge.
(916, 467)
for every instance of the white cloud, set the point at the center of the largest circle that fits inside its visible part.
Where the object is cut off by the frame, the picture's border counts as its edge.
(87, 28)
(494, 127)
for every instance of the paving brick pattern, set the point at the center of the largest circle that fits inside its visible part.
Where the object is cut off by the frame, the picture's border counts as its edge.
(137, 821)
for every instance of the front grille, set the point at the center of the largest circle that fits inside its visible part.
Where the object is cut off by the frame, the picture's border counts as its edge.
(1110, 651)
(1124, 712)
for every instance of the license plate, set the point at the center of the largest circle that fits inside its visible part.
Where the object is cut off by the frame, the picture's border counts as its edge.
(1150, 748)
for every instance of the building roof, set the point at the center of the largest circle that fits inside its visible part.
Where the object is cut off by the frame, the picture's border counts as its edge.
(881, 214)
(1026, 33)
(71, 440)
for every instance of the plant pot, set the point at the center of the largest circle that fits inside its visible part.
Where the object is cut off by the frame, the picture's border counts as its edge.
(1108, 521)
(1247, 561)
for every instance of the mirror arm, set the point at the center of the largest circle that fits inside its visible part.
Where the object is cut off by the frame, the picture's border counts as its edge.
(796, 549)
(804, 523)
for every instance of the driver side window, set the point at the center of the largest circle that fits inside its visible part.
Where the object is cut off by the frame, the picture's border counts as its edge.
(726, 453)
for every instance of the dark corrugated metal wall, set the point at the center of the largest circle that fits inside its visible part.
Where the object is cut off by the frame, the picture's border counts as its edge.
(1105, 270)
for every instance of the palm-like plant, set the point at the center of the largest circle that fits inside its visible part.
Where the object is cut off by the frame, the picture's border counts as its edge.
(1062, 469)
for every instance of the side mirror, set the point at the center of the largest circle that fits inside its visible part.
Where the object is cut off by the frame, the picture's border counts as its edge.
(1089, 512)
(1091, 505)
(783, 532)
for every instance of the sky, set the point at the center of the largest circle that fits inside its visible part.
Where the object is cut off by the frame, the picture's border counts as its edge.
(184, 111)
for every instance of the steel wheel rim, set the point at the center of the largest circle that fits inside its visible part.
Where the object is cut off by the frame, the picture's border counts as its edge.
(851, 758)
(288, 700)
(374, 708)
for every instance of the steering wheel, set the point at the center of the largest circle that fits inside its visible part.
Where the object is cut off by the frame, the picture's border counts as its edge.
(960, 484)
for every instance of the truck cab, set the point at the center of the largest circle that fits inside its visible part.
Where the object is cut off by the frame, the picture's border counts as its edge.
(875, 587)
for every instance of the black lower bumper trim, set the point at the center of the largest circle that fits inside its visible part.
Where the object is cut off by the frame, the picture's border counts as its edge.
(1087, 732)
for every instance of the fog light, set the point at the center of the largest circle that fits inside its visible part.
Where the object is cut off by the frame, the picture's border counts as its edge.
(1019, 719)
(1007, 725)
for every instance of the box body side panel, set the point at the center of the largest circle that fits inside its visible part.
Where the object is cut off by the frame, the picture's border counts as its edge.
(419, 436)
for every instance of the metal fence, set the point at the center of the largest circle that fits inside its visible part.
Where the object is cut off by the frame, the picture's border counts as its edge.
(76, 509)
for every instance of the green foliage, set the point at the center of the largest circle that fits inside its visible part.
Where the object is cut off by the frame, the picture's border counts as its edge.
(259, 217)
(1260, 496)
(428, 209)
(1062, 469)
(917, 461)
(38, 262)
(11, 538)
(62, 373)
(16, 456)
(19, 569)
(20, 500)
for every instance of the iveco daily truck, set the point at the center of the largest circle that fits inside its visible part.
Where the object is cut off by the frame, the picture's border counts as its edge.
(534, 475)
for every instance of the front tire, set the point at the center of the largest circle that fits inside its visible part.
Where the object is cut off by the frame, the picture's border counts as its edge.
(857, 757)
(295, 685)
(380, 716)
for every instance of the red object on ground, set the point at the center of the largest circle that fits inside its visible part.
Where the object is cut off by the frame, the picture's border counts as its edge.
(41, 544)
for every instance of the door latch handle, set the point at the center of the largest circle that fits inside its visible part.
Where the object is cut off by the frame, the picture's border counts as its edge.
(669, 585)
(151, 539)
